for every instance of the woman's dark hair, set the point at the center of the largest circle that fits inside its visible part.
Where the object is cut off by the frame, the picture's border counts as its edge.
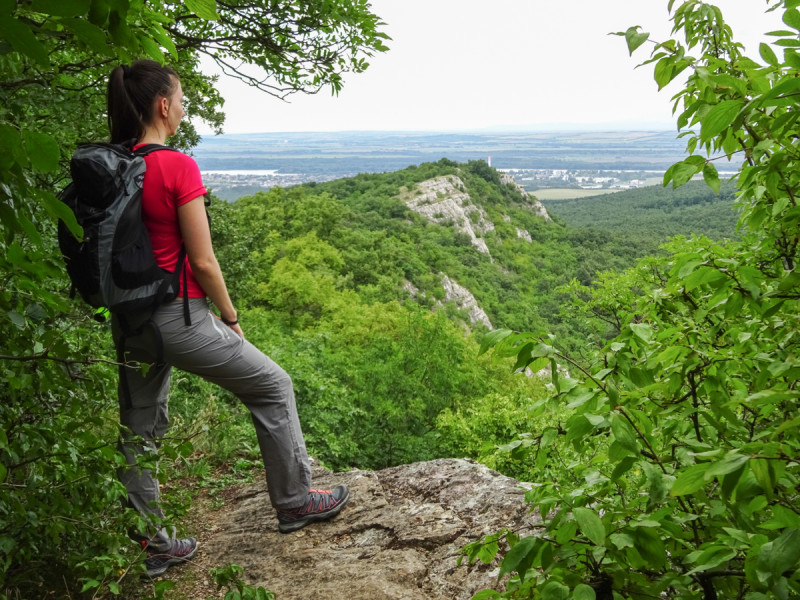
(132, 91)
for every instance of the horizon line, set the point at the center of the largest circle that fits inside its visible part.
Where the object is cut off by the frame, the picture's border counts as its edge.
(555, 128)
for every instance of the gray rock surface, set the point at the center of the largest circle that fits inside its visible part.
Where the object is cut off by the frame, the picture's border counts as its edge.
(537, 207)
(443, 200)
(399, 537)
(464, 300)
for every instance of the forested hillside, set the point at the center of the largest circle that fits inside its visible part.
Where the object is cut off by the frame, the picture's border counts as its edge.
(654, 213)
(345, 285)
(381, 245)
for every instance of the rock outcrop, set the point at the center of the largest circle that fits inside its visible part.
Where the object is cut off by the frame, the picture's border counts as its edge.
(464, 300)
(399, 538)
(537, 207)
(525, 235)
(443, 200)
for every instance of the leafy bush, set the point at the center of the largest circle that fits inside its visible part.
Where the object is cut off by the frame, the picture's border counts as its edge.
(679, 474)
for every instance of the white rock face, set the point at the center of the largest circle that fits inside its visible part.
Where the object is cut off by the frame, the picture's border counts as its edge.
(537, 207)
(442, 200)
(521, 233)
(412, 290)
(464, 300)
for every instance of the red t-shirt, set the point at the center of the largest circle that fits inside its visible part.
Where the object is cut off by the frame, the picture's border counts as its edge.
(171, 180)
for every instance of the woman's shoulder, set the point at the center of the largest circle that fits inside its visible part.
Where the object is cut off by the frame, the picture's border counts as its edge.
(171, 155)
(171, 161)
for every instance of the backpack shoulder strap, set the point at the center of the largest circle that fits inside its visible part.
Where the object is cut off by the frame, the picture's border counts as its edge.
(148, 148)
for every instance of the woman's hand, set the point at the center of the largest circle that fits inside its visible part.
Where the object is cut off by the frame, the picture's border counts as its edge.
(238, 329)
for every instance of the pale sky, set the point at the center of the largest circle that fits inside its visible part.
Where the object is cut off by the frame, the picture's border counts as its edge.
(473, 64)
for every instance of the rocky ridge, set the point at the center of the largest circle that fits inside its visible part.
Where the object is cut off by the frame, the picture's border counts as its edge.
(537, 207)
(444, 200)
(464, 300)
(399, 538)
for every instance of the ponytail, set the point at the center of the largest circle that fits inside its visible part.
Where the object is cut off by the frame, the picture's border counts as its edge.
(132, 92)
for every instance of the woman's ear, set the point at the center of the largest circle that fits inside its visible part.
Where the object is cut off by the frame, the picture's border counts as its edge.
(163, 106)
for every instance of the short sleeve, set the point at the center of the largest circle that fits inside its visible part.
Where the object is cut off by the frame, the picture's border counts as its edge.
(187, 183)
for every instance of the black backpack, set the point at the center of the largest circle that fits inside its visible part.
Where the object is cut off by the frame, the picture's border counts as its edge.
(113, 266)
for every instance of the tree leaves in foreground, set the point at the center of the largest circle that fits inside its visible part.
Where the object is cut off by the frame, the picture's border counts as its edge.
(675, 475)
(61, 523)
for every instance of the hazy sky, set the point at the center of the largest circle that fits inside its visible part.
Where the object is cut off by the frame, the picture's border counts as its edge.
(471, 64)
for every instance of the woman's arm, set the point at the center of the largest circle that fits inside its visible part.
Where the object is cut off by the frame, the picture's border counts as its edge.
(193, 223)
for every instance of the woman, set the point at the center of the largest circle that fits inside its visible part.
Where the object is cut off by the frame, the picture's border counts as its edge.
(145, 107)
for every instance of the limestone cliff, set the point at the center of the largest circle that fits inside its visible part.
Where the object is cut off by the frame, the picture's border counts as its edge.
(444, 200)
(457, 294)
(537, 207)
(399, 538)
(464, 300)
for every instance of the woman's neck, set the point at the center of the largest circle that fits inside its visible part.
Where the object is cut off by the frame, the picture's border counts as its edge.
(153, 135)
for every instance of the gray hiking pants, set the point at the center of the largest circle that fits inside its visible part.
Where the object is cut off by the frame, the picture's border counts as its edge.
(215, 352)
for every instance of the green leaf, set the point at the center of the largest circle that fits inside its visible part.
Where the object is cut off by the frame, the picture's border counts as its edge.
(623, 467)
(152, 48)
(792, 18)
(591, 525)
(11, 147)
(650, 546)
(555, 590)
(730, 463)
(664, 71)
(786, 87)
(91, 35)
(62, 8)
(17, 319)
(98, 13)
(780, 555)
(23, 41)
(719, 118)
(635, 38)
(711, 558)
(623, 432)
(768, 54)
(711, 177)
(578, 427)
(621, 540)
(92, 583)
(690, 480)
(764, 474)
(583, 592)
(519, 557)
(162, 38)
(782, 518)
(43, 151)
(493, 339)
(686, 169)
(791, 281)
(702, 276)
(792, 58)
(643, 331)
(205, 9)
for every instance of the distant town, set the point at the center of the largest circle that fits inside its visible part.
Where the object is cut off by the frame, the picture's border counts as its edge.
(548, 164)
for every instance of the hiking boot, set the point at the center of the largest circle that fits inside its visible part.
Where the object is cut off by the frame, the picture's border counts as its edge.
(158, 562)
(320, 505)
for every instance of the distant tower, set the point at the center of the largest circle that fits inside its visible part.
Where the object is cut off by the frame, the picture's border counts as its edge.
(490, 161)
